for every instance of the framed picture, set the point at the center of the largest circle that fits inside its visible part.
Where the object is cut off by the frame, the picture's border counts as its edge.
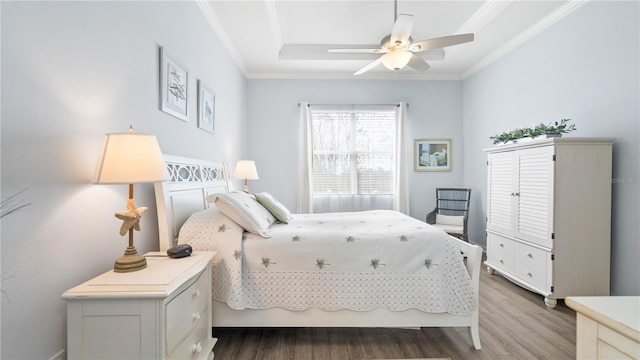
(174, 86)
(206, 107)
(432, 154)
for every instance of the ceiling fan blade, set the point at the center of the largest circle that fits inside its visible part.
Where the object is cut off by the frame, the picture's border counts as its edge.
(369, 66)
(402, 29)
(357, 51)
(418, 63)
(437, 43)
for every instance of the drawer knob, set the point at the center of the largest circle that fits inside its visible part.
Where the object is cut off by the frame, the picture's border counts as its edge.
(196, 315)
(196, 292)
(501, 244)
(501, 261)
(529, 255)
(529, 274)
(197, 347)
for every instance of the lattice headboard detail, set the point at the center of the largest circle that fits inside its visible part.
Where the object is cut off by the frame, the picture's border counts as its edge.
(191, 181)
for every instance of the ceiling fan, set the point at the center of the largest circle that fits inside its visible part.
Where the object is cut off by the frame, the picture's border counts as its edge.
(398, 49)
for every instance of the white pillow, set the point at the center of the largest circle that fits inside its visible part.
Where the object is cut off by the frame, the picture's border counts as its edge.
(274, 206)
(449, 220)
(245, 211)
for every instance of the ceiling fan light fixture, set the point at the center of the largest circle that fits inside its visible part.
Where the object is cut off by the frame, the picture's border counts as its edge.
(396, 59)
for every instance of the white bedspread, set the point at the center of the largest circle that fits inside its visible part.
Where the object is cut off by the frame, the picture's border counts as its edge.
(358, 261)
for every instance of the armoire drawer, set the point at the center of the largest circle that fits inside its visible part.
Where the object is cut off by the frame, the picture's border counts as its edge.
(500, 252)
(531, 265)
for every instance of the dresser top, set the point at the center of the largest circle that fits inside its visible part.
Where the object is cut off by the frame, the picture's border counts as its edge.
(159, 279)
(529, 143)
(620, 313)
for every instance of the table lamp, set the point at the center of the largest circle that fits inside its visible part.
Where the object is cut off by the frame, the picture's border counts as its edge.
(129, 158)
(245, 169)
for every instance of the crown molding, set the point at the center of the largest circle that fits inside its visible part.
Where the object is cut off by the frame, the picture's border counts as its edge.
(560, 13)
(215, 23)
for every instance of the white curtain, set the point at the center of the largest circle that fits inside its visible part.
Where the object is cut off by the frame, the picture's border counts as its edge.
(304, 204)
(401, 191)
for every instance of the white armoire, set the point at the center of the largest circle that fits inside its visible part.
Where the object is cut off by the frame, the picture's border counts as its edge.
(549, 215)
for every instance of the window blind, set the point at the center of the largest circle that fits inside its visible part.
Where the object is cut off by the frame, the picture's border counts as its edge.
(353, 150)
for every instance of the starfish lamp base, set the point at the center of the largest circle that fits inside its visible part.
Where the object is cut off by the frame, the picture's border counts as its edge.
(130, 261)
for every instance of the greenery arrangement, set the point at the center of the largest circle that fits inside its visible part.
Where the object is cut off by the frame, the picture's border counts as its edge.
(552, 129)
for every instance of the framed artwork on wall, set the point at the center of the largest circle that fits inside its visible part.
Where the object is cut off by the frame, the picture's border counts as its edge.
(432, 154)
(174, 86)
(206, 108)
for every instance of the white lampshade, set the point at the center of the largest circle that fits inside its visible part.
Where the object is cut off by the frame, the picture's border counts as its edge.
(396, 59)
(245, 169)
(129, 158)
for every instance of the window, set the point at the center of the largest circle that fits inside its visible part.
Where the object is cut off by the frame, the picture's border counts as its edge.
(353, 150)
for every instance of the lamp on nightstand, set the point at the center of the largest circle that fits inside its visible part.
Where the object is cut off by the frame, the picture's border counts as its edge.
(129, 158)
(246, 169)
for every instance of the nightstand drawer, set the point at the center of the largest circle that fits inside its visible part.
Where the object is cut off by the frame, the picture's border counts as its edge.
(186, 311)
(197, 345)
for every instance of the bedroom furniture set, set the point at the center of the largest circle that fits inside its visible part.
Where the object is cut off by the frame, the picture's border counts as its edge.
(547, 226)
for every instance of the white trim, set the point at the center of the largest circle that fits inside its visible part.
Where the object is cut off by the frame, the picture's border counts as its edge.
(560, 13)
(215, 23)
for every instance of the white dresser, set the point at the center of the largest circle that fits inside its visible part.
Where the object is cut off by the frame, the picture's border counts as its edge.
(607, 327)
(160, 312)
(549, 215)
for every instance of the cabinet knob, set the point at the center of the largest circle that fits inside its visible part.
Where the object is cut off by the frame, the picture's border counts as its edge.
(196, 315)
(529, 274)
(501, 261)
(196, 292)
(529, 255)
(197, 347)
(501, 244)
(515, 194)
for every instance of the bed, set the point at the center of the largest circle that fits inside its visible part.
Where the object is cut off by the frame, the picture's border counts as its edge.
(193, 183)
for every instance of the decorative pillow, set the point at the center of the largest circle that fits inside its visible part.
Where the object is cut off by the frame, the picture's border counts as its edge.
(274, 206)
(450, 220)
(244, 210)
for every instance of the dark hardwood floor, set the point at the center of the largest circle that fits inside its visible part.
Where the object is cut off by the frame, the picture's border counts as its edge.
(514, 324)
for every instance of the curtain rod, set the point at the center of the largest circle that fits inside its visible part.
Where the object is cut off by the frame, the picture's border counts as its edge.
(396, 104)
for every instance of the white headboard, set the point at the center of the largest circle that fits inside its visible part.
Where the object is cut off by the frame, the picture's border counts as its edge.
(191, 181)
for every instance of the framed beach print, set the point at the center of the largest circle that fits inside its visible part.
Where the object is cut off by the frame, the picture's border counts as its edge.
(432, 154)
(174, 86)
(206, 107)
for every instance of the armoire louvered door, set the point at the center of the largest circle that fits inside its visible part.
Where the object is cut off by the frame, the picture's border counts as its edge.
(501, 182)
(533, 195)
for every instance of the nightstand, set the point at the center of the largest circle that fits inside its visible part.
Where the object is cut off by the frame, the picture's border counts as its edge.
(161, 312)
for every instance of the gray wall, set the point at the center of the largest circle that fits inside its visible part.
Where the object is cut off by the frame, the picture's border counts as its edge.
(585, 68)
(435, 111)
(72, 72)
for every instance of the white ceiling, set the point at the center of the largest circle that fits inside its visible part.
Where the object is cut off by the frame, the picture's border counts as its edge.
(287, 39)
